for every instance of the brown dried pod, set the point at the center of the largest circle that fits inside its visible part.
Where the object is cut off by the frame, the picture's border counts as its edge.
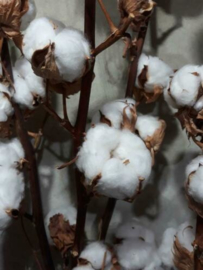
(141, 10)
(62, 233)
(183, 258)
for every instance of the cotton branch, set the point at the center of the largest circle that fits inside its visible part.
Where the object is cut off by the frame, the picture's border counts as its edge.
(33, 173)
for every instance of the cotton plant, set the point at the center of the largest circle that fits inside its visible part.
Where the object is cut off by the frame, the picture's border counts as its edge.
(116, 161)
(57, 52)
(185, 95)
(11, 180)
(153, 78)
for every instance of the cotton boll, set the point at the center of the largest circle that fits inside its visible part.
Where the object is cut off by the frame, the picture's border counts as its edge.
(134, 229)
(39, 34)
(166, 247)
(195, 187)
(6, 108)
(71, 54)
(83, 267)
(185, 85)
(29, 15)
(194, 165)
(113, 111)
(135, 254)
(11, 192)
(186, 235)
(95, 253)
(147, 125)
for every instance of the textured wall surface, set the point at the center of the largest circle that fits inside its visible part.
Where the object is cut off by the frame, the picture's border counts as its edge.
(175, 35)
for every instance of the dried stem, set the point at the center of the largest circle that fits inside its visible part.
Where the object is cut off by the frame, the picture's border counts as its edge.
(113, 28)
(33, 173)
(115, 36)
(82, 196)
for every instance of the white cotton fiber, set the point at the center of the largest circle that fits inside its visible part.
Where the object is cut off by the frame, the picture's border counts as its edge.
(186, 235)
(199, 104)
(11, 152)
(71, 53)
(134, 229)
(147, 125)
(136, 254)
(29, 15)
(69, 214)
(195, 188)
(194, 165)
(94, 253)
(113, 111)
(158, 72)
(185, 85)
(39, 34)
(83, 267)
(166, 247)
(6, 108)
(96, 149)
(11, 192)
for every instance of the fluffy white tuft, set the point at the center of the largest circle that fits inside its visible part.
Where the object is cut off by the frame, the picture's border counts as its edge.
(94, 253)
(186, 235)
(6, 108)
(146, 125)
(194, 165)
(29, 15)
(195, 188)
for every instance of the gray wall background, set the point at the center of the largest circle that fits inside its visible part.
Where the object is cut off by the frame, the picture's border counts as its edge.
(175, 35)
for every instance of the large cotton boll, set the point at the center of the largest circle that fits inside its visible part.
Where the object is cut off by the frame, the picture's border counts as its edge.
(166, 247)
(186, 235)
(11, 192)
(69, 214)
(194, 165)
(95, 254)
(134, 229)
(29, 15)
(40, 33)
(185, 85)
(147, 125)
(113, 111)
(195, 187)
(70, 54)
(135, 254)
(6, 108)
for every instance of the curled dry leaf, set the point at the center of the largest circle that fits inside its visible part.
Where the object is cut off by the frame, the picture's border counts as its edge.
(141, 9)
(62, 233)
(183, 259)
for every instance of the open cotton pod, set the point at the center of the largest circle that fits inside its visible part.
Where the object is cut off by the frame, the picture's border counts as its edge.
(152, 131)
(194, 185)
(60, 227)
(57, 53)
(152, 78)
(140, 9)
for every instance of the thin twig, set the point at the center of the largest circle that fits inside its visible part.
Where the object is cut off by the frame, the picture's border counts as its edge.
(33, 173)
(113, 28)
(65, 114)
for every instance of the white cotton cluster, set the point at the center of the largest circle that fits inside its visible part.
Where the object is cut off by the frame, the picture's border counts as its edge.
(29, 88)
(6, 108)
(69, 213)
(147, 125)
(95, 253)
(137, 249)
(11, 180)
(194, 174)
(113, 111)
(184, 88)
(29, 15)
(71, 47)
(157, 74)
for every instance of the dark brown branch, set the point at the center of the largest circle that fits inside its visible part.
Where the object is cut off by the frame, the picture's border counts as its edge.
(82, 196)
(115, 36)
(33, 173)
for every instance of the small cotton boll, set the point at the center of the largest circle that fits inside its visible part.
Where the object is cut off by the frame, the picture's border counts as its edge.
(39, 34)
(194, 165)
(71, 54)
(6, 108)
(147, 125)
(83, 267)
(95, 253)
(114, 111)
(134, 229)
(195, 187)
(186, 235)
(29, 15)
(135, 254)
(166, 247)
(185, 85)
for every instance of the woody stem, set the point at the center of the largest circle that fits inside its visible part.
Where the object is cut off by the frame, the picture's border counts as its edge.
(113, 28)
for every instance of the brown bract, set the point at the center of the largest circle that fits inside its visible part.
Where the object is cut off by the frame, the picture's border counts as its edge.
(129, 123)
(11, 12)
(62, 233)
(6, 128)
(141, 10)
